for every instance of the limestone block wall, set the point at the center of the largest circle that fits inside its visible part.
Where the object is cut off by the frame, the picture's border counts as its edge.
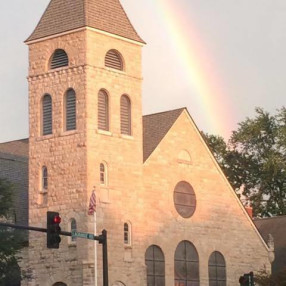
(64, 155)
(219, 222)
(118, 200)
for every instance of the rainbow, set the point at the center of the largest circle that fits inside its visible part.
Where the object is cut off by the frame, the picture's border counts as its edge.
(206, 87)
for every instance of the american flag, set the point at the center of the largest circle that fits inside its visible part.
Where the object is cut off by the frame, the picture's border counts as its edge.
(92, 203)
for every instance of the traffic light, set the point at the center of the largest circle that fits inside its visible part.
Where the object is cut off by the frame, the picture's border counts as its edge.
(53, 230)
(246, 279)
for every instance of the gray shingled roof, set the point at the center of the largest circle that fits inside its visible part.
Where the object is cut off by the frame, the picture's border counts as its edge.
(155, 127)
(65, 15)
(17, 147)
(276, 226)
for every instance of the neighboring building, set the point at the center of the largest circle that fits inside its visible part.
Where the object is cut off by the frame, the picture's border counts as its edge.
(14, 168)
(171, 215)
(273, 231)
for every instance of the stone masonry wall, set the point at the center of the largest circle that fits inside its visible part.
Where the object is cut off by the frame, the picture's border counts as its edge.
(64, 155)
(219, 222)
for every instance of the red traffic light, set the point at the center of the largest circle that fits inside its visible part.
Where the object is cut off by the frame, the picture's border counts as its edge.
(57, 219)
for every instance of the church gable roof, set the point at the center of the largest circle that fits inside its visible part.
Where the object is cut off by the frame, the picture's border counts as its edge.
(155, 127)
(64, 15)
(17, 147)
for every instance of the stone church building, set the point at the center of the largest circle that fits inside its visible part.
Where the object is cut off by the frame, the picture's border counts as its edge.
(171, 216)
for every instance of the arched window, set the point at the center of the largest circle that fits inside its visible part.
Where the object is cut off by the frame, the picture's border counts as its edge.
(47, 115)
(125, 115)
(217, 269)
(186, 265)
(127, 234)
(114, 60)
(103, 174)
(73, 228)
(59, 59)
(155, 262)
(59, 284)
(103, 110)
(70, 110)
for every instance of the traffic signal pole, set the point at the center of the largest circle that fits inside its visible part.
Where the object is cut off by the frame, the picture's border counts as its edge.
(102, 239)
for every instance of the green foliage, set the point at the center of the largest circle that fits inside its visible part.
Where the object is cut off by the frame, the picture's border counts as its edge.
(254, 161)
(11, 240)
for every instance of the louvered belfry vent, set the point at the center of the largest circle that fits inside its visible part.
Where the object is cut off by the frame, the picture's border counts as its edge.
(59, 59)
(125, 115)
(113, 60)
(70, 110)
(103, 114)
(47, 115)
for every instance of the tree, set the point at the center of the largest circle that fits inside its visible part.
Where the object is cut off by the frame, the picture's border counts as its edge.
(11, 240)
(254, 161)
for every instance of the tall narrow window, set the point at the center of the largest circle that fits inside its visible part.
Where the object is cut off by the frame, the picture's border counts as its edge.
(44, 178)
(113, 60)
(217, 269)
(44, 186)
(70, 110)
(73, 228)
(47, 115)
(155, 262)
(59, 59)
(186, 265)
(127, 234)
(103, 174)
(103, 112)
(125, 115)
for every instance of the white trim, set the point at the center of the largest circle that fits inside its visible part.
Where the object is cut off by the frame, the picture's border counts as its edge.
(85, 29)
(54, 36)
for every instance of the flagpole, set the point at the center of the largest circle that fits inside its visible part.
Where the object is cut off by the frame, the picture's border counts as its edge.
(95, 252)
(92, 211)
(95, 247)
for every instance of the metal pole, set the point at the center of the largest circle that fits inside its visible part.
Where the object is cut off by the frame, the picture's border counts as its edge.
(104, 258)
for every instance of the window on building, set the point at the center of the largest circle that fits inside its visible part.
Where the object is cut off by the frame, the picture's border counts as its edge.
(127, 234)
(73, 228)
(103, 110)
(70, 110)
(155, 262)
(217, 269)
(114, 60)
(185, 199)
(59, 59)
(186, 265)
(47, 115)
(59, 284)
(125, 115)
(44, 186)
(44, 178)
(103, 174)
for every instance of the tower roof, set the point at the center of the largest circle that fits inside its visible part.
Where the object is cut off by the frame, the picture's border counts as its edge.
(65, 15)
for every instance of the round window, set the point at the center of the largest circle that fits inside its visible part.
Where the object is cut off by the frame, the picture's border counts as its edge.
(184, 199)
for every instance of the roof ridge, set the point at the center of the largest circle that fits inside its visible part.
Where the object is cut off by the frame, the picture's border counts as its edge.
(61, 16)
(161, 112)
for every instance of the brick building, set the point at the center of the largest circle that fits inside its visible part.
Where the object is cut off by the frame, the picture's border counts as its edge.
(171, 215)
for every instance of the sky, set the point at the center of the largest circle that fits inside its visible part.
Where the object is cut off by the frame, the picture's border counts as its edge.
(218, 58)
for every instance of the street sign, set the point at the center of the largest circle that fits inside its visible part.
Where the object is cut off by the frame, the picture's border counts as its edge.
(82, 235)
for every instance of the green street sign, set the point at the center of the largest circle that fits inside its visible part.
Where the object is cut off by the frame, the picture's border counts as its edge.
(82, 235)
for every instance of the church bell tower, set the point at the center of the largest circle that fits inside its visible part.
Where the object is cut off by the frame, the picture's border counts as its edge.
(85, 120)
